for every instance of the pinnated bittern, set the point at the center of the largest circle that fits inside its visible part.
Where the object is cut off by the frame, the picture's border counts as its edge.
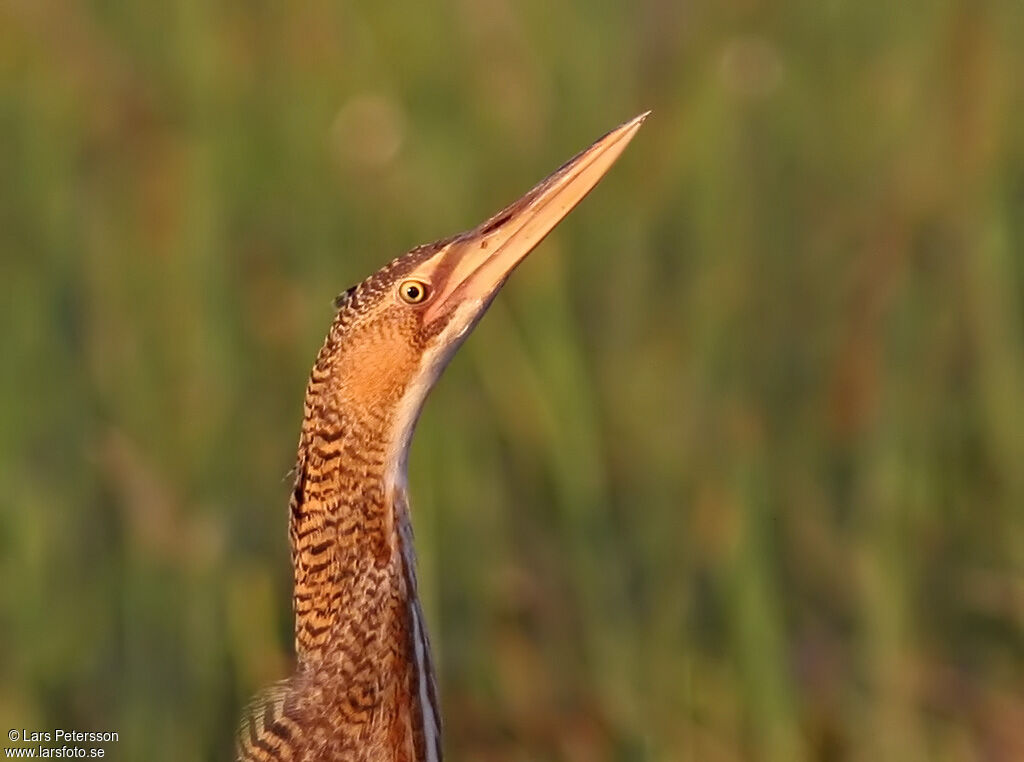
(364, 687)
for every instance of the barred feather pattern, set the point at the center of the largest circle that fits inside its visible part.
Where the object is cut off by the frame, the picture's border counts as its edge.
(364, 688)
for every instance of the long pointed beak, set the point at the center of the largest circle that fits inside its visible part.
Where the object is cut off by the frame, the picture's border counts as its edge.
(477, 262)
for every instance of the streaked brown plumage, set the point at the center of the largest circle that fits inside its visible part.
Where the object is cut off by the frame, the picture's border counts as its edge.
(364, 686)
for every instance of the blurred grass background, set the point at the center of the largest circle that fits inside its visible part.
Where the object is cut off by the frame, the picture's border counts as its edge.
(734, 468)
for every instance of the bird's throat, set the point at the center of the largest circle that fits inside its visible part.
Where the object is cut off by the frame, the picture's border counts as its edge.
(359, 628)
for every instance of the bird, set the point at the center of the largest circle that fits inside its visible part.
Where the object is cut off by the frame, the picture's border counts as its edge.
(364, 688)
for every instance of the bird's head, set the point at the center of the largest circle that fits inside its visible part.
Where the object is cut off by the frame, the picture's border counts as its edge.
(395, 331)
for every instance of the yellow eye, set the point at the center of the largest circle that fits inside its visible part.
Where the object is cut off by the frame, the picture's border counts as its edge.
(413, 291)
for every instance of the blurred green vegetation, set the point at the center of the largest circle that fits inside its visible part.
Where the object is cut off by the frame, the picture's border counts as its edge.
(734, 468)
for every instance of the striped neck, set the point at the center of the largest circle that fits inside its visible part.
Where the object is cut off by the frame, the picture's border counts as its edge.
(360, 635)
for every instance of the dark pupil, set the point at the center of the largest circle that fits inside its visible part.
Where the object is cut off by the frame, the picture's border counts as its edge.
(412, 291)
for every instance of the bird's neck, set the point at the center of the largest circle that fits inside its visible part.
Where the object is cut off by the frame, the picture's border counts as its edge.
(358, 622)
(351, 546)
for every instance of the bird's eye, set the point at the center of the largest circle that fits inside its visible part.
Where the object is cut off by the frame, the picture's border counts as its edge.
(413, 291)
